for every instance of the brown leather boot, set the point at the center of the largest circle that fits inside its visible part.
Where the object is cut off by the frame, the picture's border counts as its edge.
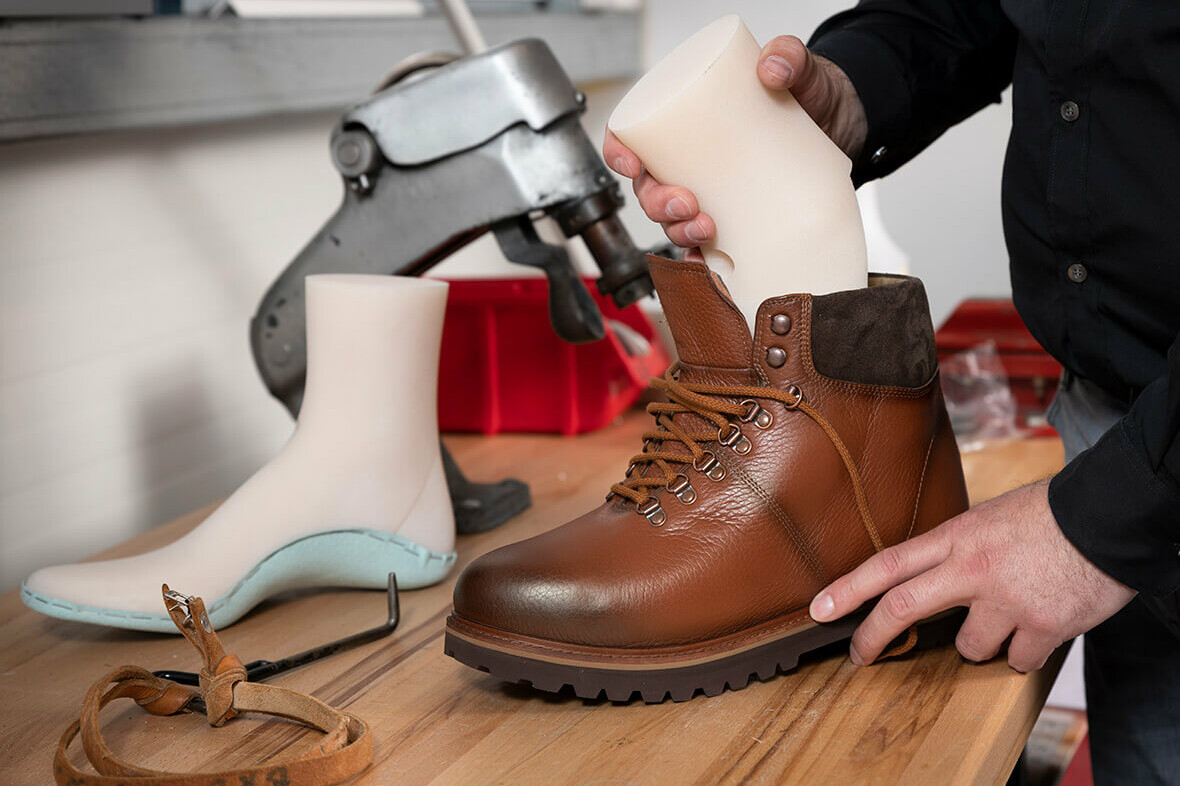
(779, 464)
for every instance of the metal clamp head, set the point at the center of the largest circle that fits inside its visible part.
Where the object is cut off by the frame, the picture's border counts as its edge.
(178, 601)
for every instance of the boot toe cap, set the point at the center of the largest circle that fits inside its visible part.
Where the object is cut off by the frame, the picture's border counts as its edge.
(501, 591)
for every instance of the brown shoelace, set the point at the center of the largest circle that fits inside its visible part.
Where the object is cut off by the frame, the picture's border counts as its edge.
(709, 403)
(342, 753)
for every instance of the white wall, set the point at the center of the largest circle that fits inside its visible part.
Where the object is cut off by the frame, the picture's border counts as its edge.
(130, 265)
(128, 270)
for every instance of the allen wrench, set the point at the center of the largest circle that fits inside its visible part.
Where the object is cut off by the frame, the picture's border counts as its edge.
(259, 670)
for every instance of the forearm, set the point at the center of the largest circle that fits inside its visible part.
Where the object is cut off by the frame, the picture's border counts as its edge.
(1119, 502)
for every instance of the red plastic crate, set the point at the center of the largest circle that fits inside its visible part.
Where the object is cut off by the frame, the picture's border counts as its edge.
(1032, 372)
(503, 369)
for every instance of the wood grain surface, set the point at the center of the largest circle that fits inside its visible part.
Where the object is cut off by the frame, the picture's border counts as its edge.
(927, 718)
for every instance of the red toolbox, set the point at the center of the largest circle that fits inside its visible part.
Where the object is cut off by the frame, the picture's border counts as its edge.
(504, 369)
(1032, 372)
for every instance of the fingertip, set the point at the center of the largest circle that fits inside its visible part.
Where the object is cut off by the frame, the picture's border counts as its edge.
(684, 233)
(782, 61)
(678, 209)
(626, 166)
(822, 608)
(706, 222)
(775, 72)
(698, 230)
(619, 157)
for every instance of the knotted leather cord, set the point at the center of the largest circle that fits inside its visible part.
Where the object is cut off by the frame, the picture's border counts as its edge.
(344, 751)
(708, 402)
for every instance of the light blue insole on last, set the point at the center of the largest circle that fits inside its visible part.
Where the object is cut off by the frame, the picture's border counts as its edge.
(338, 558)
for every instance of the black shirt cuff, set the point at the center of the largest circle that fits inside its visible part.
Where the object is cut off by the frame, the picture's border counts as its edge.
(879, 78)
(1119, 515)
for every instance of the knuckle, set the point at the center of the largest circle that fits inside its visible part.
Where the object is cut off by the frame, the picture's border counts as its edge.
(1040, 620)
(676, 235)
(788, 43)
(958, 527)
(977, 562)
(971, 647)
(1025, 662)
(891, 561)
(899, 604)
(652, 210)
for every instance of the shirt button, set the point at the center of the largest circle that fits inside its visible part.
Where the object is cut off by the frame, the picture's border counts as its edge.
(878, 154)
(1077, 273)
(1070, 111)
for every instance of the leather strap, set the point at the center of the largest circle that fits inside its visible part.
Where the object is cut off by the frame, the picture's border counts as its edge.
(345, 750)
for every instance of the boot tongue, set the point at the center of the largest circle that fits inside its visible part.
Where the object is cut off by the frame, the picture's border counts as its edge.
(710, 332)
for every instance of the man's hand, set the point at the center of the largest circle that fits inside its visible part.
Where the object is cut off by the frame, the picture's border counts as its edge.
(1006, 559)
(820, 87)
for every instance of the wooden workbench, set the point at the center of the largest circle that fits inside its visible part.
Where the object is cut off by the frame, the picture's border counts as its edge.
(927, 718)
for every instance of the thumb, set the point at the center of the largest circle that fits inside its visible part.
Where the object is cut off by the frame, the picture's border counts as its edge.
(785, 63)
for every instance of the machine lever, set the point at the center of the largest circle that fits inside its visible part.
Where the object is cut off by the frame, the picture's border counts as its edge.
(572, 311)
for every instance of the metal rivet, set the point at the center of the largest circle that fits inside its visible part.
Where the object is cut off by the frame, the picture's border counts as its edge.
(878, 154)
(780, 324)
(1077, 273)
(1070, 111)
(776, 357)
(354, 153)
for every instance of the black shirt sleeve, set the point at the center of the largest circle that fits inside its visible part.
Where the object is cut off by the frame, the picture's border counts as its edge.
(919, 67)
(1119, 501)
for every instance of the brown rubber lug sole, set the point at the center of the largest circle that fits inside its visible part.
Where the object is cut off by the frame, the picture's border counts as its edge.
(681, 683)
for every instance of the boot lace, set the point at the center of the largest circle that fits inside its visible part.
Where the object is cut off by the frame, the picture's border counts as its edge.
(658, 466)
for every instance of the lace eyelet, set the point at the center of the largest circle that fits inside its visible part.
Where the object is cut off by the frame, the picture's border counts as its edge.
(709, 466)
(733, 438)
(682, 488)
(797, 392)
(652, 510)
(756, 414)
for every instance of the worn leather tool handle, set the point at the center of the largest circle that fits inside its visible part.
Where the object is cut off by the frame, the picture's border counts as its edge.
(345, 750)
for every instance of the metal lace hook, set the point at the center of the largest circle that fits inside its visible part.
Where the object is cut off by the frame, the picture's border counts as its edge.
(259, 670)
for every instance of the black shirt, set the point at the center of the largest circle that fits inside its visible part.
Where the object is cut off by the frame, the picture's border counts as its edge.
(1091, 205)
